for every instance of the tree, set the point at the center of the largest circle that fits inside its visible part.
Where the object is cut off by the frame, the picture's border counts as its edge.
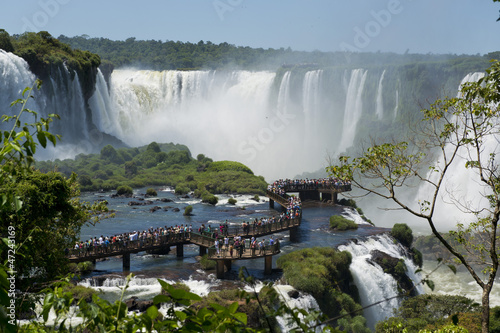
(40, 213)
(463, 131)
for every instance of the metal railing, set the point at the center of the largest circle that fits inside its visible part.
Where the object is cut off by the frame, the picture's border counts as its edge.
(243, 251)
(127, 246)
(315, 187)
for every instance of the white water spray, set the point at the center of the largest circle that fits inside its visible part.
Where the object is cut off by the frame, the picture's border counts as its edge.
(373, 283)
(380, 101)
(353, 108)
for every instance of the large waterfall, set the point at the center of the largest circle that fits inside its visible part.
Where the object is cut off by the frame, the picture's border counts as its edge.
(280, 123)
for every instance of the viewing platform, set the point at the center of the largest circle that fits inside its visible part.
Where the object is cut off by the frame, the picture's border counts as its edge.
(205, 241)
(326, 190)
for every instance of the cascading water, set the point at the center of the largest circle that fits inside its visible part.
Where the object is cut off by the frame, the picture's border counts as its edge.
(284, 92)
(303, 301)
(15, 76)
(311, 105)
(353, 107)
(293, 124)
(380, 102)
(462, 186)
(395, 112)
(373, 283)
(61, 94)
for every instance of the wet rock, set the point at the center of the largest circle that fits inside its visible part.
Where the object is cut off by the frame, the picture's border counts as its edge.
(176, 209)
(394, 267)
(294, 294)
(166, 200)
(154, 209)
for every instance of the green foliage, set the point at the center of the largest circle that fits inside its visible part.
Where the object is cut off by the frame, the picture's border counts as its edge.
(80, 292)
(340, 223)
(495, 320)
(181, 189)
(205, 54)
(172, 166)
(5, 42)
(151, 192)
(348, 202)
(403, 233)
(40, 213)
(45, 54)
(423, 311)
(206, 263)
(209, 198)
(417, 257)
(232, 201)
(108, 153)
(124, 190)
(256, 198)
(188, 210)
(324, 273)
(229, 166)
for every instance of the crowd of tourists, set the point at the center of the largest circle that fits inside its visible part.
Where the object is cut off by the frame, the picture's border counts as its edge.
(103, 243)
(220, 233)
(237, 246)
(283, 185)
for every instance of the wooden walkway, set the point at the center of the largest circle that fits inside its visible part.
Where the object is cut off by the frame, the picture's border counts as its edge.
(206, 241)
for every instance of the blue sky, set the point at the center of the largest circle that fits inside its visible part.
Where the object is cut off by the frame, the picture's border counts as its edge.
(420, 26)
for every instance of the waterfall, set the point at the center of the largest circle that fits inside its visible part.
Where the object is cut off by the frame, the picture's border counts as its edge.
(101, 106)
(353, 108)
(16, 76)
(373, 284)
(311, 92)
(312, 108)
(395, 112)
(303, 301)
(61, 94)
(380, 102)
(462, 186)
(284, 92)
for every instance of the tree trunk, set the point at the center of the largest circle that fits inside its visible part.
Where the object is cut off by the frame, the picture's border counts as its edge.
(485, 316)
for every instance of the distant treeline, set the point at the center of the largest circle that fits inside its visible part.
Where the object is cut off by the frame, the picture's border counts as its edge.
(158, 55)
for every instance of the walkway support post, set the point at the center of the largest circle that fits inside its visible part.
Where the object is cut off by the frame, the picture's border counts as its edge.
(271, 203)
(268, 265)
(228, 263)
(220, 269)
(203, 251)
(126, 262)
(180, 250)
(294, 234)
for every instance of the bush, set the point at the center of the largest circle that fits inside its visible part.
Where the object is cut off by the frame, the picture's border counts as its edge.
(417, 257)
(256, 198)
(188, 210)
(348, 202)
(84, 267)
(151, 192)
(232, 201)
(209, 198)
(181, 189)
(124, 190)
(85, 180)
(403, 233)
(207, 264)
(340, 223)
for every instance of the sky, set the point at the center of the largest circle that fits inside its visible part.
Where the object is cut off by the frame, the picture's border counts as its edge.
(415, 26)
